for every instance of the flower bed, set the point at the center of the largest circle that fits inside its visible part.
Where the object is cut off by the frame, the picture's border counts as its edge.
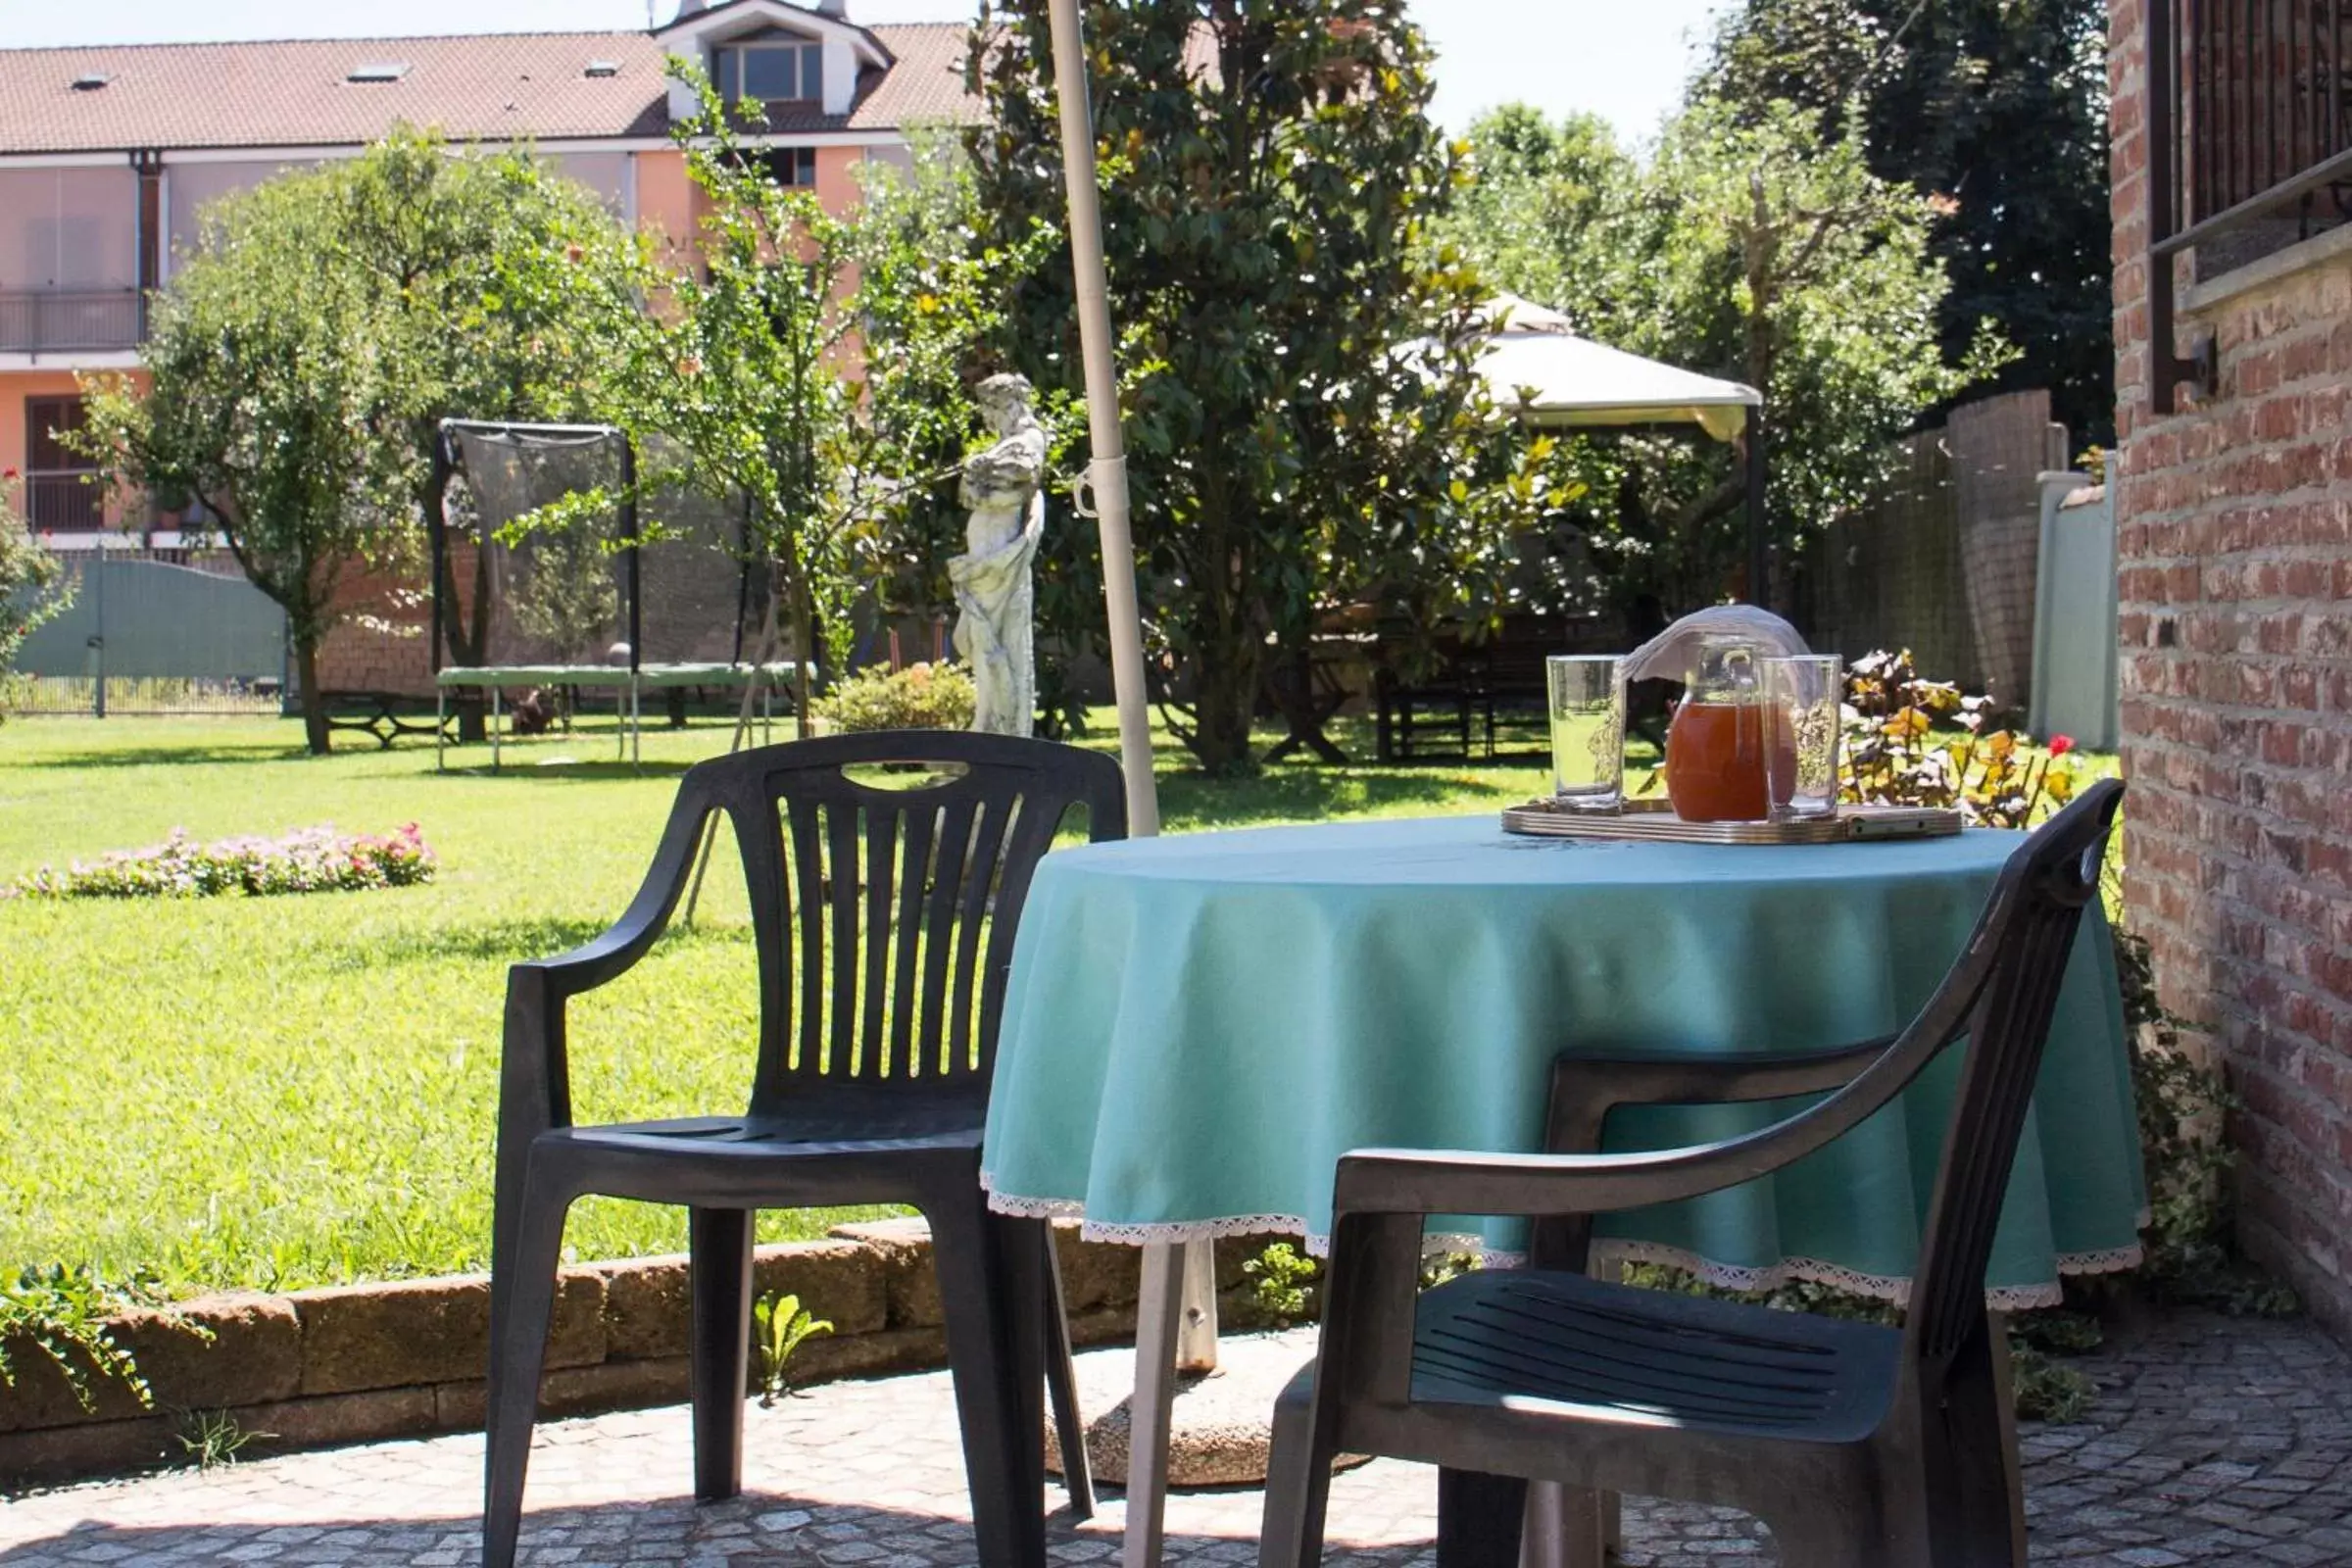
(313, 860)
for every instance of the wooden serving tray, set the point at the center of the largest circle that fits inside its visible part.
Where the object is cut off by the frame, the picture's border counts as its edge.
(1655, 821)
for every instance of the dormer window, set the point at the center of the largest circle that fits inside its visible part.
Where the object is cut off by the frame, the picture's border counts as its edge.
(772, 72)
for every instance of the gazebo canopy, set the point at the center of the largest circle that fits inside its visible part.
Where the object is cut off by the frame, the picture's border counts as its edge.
(1536, 364)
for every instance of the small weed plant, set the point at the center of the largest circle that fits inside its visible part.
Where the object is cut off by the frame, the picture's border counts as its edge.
(211, 1440)
(316, 859)
(781, 1326)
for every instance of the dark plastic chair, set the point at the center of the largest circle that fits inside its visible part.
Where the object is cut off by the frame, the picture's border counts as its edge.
(1855, 1443)
(873, 1091)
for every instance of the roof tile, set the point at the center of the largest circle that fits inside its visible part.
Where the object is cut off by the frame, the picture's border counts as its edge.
(475, 88)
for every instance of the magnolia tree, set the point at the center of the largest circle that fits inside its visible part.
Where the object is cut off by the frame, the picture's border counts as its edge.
(812, 366)
(31, 588)
(1304, 427)
(1750, 244)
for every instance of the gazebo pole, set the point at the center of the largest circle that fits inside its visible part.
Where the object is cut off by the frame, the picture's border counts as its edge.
(1176, 1315)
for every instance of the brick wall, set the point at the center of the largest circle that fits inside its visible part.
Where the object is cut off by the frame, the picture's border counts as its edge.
(2235, 561)
(384, 643)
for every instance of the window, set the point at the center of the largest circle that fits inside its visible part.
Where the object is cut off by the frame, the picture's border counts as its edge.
(772, 73)
(61, 489)
(794, 167)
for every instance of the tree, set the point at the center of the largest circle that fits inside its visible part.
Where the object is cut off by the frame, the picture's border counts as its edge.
(1304, 427)
(501, 290)
(810, 368)
(1750, 245)
(30, 587)
(1998, 109)
(266, 385)
(302, 358)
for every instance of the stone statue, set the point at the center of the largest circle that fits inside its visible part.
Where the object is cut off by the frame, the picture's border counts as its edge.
(993, 592)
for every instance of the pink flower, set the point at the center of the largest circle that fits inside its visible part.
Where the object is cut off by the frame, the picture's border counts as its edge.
(2060, 744)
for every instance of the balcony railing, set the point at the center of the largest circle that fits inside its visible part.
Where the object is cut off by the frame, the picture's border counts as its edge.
(68, 500)
(55, 320)
(2249, 140)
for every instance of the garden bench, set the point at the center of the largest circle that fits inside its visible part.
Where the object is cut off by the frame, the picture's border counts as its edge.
(386, 715)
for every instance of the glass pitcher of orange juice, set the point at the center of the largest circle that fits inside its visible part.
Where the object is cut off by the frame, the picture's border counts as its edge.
(1716, 762)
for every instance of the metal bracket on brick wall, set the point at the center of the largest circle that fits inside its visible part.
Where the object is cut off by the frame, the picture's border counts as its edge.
(2198, 372)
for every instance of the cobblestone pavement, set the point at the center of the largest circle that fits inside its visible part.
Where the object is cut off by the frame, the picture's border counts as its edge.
(2210, 1441)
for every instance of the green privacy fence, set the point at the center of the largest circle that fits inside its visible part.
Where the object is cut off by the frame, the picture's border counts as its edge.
(156, 627)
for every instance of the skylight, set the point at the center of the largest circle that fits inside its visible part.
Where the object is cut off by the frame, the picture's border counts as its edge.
(91, 81)
(601, 67)
(378, 71)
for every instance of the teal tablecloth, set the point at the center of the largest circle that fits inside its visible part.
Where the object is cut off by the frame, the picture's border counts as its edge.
(1197, 1027)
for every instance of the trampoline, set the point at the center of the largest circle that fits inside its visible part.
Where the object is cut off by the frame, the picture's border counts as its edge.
(572, 595)
(627, 686)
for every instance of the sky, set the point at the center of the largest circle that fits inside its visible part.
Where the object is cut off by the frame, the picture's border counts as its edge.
(1626, 59)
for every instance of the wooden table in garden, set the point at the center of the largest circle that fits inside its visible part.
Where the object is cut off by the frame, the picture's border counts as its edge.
(1197, 1027)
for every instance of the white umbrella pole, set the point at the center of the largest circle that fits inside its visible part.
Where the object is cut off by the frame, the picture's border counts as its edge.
(1176, 1316)
(1106, 474)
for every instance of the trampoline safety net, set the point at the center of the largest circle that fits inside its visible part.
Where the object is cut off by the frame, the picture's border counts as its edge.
(558, 589)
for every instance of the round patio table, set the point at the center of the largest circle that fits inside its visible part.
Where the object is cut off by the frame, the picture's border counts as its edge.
(1197, 1027)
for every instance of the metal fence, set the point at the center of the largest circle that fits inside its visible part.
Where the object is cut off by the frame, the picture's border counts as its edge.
(2249, 141)
(149, 635)
(48, 321)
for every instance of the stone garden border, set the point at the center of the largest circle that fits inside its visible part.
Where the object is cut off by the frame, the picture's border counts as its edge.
(367, 1363)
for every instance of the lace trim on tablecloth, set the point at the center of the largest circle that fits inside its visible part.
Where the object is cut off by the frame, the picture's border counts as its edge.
(1175, 1233)
(1894, 1289)
(1724, 1276)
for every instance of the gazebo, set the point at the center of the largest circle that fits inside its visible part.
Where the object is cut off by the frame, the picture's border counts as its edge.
(1536, 364)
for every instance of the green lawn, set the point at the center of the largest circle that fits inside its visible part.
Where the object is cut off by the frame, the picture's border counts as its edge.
(279, 1092)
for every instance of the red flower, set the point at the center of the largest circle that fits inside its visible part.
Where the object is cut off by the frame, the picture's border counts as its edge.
(2060, 744)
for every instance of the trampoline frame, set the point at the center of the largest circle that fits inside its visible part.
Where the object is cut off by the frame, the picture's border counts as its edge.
(627, 684)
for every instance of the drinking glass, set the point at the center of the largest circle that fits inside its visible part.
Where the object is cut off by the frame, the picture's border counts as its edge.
(1802, 696)
(1587, 731)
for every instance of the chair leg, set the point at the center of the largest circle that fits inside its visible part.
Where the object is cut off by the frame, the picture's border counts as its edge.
(719, 1288)
(1976, 1506)
(1061, 1383)
(1001, 1451)
(1479, 1519)
(522, 1295)
(1297, 1481)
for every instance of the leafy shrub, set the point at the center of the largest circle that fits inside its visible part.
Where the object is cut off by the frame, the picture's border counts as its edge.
(2191, 1254)
(1282, 1284)
(918, 697)
(62, 1313)
(29, 591)
(316, 859)
(1910, 741)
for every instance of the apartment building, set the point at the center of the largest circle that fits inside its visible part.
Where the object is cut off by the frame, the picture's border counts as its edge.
(110, 155)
